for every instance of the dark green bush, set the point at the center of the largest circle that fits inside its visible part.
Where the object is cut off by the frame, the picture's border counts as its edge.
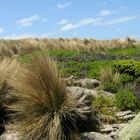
(111, 87)
(130, 67)
(125, 78)
(125, 99)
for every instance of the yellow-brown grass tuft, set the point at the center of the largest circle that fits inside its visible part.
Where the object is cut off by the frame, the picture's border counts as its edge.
(8, 69)
(43, 110)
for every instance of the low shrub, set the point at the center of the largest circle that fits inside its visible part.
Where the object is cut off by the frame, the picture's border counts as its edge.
(130, 67)
(102, 104)
(111, 87)
(125, 78)
(125, 99)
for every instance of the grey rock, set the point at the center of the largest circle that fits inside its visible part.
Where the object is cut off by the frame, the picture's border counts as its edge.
(119, 126)
(123, 113)
(79, 90)
(94, 136)
(105, 93)
(107, 129)
(128, 117)
(90, 83)
(85, 83)
(87, 121)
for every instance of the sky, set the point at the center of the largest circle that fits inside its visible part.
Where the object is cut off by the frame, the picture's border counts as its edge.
(98, 19)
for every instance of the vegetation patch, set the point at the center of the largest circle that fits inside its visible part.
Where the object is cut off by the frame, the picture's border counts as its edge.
(130, 67)
(130, 51)
(125, 100)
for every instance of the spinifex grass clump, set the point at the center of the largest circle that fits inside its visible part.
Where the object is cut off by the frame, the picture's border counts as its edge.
(8, 69)
(43, 110)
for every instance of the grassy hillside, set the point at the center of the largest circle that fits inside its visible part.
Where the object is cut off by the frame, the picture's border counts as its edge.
(115, 63)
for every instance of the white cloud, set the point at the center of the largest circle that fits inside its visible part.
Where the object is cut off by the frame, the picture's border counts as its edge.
(61, 6)
(63, 22)
(1, 30)
(18, 36)
(28, 21)
(120, 20)
(84, 22)
(105, 13)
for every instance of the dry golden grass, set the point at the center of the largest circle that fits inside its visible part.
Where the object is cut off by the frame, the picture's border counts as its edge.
(8, 69)
(43, 109)
(107, 75)
(28, 45)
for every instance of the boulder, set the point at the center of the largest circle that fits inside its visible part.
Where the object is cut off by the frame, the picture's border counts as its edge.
(90, 83)
(79, 90)
(84, 98)
(85, 83)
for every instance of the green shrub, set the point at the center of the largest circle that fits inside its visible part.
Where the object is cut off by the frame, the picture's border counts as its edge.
(125, 78)
(131, 51)
(102, 104)
(130, 67)
(125, 99)
(111, 87)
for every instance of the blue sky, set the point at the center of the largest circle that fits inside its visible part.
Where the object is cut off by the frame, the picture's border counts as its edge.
(99, 19)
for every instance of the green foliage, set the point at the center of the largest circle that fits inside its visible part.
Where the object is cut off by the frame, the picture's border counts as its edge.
(52, 53)
(125, 78)
(125, 99)
(111, 87)
(131, 51)
(74, 68)
(82, 69)
(130, 67)
(101, 105)
(96, 66)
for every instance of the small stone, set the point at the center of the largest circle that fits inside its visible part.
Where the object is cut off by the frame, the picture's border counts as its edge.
(94, 136)
(123, 113)
(127, 117)
(107, 129)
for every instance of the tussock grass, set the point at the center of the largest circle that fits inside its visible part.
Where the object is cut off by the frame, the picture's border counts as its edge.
(8, 69)
(107, 75)
(28, 45)
(43, 109)
(110, 80)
